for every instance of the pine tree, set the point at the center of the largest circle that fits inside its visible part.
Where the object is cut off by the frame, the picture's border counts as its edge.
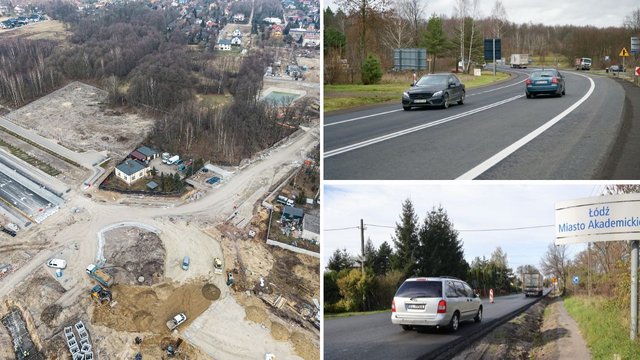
(382, 263)
(339, 260)
(441, 250)
(406, 241)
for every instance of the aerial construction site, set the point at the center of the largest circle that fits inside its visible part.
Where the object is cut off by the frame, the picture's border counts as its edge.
(89, 273)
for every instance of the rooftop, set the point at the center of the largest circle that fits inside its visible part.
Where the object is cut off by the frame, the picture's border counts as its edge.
(130, 167)
(147, 151)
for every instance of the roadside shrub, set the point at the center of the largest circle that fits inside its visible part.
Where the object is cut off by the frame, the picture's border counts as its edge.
(371, 70)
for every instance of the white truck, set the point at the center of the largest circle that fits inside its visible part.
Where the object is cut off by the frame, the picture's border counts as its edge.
(176, 321)
(520, 61)
(583, 63)
(217, 266)
(532, 284)
(173, 159)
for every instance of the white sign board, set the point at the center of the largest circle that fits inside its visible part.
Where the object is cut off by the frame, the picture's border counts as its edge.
(602, 218)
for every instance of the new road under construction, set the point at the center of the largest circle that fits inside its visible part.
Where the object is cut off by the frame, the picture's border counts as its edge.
(87, 273)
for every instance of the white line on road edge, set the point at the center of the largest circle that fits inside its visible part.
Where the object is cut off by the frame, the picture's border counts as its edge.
(492, 161)
(396, 134)
(362, 117)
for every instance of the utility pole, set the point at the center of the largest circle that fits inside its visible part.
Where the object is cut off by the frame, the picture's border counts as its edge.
(362, 245)
(589, 269)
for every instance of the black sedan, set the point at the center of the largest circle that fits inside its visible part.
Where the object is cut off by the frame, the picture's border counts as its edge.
(434, 90)
(549, 81)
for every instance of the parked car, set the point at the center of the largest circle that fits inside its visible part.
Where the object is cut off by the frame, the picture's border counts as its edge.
(549, 81)
(185, 263)
(616, 68)
(57, 263)
(434, 90)
(435, 302)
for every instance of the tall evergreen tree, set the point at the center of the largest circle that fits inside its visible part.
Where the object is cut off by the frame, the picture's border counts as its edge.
(406, 241)
(435, 40)
(340, 259)
(382, 263)
(370, 254)
(441, 250)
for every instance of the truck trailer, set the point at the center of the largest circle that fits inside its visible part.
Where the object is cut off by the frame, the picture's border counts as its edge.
(532, 284)
(520, 61)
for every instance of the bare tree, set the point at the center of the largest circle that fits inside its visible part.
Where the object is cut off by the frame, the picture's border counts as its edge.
(413, 11)
(556, 262)
(498, 19)
(363, 8)
(461, 10)
(395, 33)
(632, 22)
(474, 16)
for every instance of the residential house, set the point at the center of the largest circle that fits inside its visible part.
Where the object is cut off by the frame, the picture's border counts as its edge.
(131, 170)
(236, 41)
(311, 227)
(223, 44)
(236, 33)
(311, 39)
(276, 30)
(292, 213)
(296, 34)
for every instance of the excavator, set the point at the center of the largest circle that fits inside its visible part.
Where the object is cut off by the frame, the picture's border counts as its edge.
(101, 295)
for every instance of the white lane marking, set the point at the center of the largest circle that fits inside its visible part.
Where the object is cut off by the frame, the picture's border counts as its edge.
(396, 134)
(492, 161)
(392, 111)
(361, 117)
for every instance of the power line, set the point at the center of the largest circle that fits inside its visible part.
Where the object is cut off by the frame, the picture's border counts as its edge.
(381, 226)
(460, 230)
(339, 229)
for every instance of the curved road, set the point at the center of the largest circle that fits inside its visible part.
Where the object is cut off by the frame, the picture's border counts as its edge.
(496, 134)
(374, 337)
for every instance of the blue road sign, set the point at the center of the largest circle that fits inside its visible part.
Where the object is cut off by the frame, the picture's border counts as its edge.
(576, 280)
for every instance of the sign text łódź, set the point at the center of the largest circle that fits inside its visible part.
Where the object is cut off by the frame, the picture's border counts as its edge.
(602, 218)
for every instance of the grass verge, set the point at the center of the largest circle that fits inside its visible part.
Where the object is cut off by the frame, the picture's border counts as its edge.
(40, 147)
(604, 327)
(349, 314)
(338, 97)
(19, 153)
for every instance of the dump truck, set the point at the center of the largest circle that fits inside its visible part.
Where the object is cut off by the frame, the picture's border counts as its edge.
(176, 321)
(583, 63)
(217, 266)
(532, 284)
(520, 61)
(100, 276)
(101, 295)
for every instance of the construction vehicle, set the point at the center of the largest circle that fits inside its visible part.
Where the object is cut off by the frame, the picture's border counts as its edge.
(229, 279)
(176, 320)
(583, 63)
(532, 284)
(100, 276)
(101, 295)
(217, 266)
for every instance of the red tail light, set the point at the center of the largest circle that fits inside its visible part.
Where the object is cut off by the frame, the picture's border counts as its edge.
(554, 80)
(442, 307)
(528, 82)
(393, 306)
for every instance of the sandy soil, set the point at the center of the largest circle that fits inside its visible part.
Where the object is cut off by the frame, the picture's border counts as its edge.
(76, 117)
(132, 253)
(49, 29)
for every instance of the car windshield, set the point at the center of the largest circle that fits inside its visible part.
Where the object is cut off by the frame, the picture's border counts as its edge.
(412, 289)
(543, 74)
(432, 80)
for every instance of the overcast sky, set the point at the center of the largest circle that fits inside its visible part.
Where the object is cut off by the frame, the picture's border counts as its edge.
(469, 206)
(575, 12)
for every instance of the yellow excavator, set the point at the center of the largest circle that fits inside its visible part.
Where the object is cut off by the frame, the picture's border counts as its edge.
(101, 295)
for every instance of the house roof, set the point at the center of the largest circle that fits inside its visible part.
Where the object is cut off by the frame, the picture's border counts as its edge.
(131, 167)
(293, 212)
(138, 155)
(224, 42)
(147, 151)
(152, 185)
(311, 223)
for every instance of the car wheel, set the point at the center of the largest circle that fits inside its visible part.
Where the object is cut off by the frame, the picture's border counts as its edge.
(564, 91)
(461, 101)
(478, 317)
(528, 96)
(407, 327)
(445, 101)
(454, 323)
(406, 108)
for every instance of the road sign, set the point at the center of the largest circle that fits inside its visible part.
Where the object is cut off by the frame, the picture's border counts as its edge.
(635, 45)
(576, 280)
(624, 52)
(488, 49)
(637, 70)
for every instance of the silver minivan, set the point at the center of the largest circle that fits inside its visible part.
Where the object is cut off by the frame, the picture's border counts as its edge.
(435, 302)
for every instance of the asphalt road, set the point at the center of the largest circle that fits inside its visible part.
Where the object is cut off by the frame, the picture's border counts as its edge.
(496, 134)
(374, 337)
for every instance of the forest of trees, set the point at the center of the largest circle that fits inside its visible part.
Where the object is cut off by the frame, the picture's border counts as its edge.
(430, 248)
(361, 28)
(128, 51)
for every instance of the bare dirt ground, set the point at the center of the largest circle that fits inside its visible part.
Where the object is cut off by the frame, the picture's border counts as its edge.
(49, 29)
(77, 118)
(134, 253)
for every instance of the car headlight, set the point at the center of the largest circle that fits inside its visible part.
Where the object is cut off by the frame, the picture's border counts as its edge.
(405, 94)
(437, 93)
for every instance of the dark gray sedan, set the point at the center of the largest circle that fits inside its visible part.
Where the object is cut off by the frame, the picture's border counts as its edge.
(548, 81)
(439, 90)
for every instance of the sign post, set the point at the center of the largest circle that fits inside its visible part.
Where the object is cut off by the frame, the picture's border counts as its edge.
(623, 53)
(604, 218)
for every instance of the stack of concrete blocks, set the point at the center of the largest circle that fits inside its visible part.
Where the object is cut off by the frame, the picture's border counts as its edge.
(79, 350)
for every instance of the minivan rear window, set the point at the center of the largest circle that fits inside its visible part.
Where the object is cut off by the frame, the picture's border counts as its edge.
(420, 289)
